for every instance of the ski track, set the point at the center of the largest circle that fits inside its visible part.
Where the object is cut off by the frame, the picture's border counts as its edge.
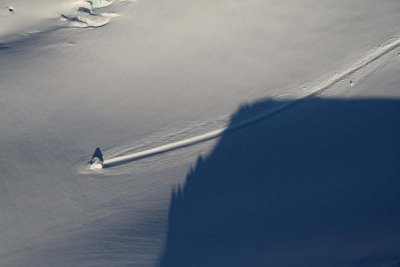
(381, 51)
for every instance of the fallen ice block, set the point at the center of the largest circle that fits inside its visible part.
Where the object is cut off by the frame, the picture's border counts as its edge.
(97, 160)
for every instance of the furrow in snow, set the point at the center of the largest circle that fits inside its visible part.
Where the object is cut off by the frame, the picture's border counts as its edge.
(370, 58)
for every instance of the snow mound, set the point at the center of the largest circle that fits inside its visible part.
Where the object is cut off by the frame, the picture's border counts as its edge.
(19, 18)
(86, 20)
(85, 15)
(100, 3)
(105, 3)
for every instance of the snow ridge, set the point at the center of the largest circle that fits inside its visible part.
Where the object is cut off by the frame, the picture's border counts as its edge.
(85, 15)
(371, 57)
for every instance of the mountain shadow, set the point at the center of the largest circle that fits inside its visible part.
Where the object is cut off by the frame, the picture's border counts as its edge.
(316, 185)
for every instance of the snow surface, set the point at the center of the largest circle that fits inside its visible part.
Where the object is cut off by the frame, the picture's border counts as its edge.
(142, 75)
(338, 77)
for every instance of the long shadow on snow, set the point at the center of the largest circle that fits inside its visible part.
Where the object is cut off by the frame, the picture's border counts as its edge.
(317, 185)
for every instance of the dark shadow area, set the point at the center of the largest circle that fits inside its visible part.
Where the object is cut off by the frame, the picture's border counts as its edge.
(4, 46)
(86, 10)
(316, 185)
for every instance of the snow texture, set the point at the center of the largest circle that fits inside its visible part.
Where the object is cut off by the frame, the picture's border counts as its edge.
(312, 180)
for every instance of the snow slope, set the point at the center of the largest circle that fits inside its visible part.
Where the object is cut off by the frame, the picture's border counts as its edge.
(383, 49)
(19, 19)
(160, 72)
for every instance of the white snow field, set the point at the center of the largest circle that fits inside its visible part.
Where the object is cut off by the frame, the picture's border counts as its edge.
(151, 76)
(383, 49)
(19, 18)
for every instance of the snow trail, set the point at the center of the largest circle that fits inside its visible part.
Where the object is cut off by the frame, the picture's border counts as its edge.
(373, 56)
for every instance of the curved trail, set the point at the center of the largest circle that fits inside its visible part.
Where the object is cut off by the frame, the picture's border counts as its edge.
(368, 59)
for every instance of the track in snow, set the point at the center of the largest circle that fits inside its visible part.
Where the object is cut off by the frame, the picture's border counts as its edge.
(371, 57)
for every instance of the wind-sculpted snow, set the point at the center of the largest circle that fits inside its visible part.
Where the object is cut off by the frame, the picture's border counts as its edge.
(86, 15)
(20, 18)
(338, 77)
(100, 3)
